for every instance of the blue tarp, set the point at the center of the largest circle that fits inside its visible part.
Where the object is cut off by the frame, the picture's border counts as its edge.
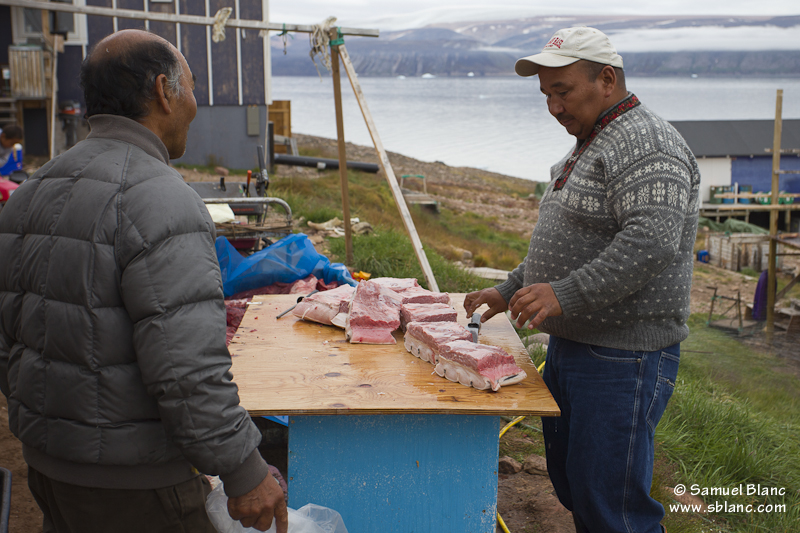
(290, 259)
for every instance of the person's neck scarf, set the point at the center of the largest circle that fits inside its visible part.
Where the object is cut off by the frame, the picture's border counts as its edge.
(615, 112)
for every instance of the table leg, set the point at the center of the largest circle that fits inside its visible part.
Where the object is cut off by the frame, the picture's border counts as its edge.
(398, 473)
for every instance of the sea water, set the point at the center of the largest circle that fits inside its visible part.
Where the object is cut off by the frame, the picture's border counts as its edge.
(502, 124)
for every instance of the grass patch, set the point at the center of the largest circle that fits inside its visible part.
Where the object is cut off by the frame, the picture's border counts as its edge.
(211, 169)
(388, 253)
(733, 420)
(747, 271)
(319, 199)
(523, 439)
(481, 235)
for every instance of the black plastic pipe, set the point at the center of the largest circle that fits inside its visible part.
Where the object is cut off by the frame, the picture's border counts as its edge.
(322, 163)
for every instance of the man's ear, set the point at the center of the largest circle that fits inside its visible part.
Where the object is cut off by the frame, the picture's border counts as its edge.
(608, 77)
(162, 94)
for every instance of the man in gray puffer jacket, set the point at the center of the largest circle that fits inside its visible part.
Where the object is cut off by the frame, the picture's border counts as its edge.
(112, 321)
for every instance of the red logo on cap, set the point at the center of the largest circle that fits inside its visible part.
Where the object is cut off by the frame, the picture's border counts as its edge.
(555, 42)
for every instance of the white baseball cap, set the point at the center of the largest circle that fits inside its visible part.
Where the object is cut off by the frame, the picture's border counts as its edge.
(568, 46)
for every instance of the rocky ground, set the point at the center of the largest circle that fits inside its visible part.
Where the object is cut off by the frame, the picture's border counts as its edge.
(460, 189)
(525, 496)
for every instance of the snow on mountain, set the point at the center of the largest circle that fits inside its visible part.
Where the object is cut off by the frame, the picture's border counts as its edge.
(650, 45)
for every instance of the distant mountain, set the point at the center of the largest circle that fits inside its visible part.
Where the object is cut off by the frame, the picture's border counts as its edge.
(650, 46)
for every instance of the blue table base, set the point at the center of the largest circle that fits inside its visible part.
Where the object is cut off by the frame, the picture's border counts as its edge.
(398, 473)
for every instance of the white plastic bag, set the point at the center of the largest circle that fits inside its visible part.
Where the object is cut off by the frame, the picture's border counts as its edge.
(310, 518)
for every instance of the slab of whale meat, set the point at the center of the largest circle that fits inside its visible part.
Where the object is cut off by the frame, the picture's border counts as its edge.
(423, 339)
(374, 314)
(478, 365)
(426, 313)
(323, 306)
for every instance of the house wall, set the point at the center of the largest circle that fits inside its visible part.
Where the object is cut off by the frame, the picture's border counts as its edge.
(5, 33)
(211, 132)
(757, 171)
(713, 171)
(69, 75)
(222, 73)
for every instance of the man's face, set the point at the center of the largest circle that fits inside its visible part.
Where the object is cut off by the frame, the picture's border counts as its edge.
(184, 108)
(572, 98)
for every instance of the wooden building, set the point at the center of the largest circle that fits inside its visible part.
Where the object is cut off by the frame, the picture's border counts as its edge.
(233, 76)
(733, 152)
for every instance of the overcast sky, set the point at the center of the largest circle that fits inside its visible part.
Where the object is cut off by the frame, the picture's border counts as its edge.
(393, 14)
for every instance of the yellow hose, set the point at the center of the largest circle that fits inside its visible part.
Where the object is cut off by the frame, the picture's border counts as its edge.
(510, 424)
(502, 524)
(503, 432)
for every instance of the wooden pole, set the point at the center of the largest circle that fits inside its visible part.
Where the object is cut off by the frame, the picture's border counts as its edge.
(387, 170)
(56, 45)
(53, 92)
(773, 215)
(337, 99)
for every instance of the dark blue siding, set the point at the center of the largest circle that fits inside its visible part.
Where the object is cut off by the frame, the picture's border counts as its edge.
(98, 27)
(223, 58)
(130, 24)
(252, 57)
(757, 171)
(167, 30)
(69, 69)
(193, 46)
(5, 33)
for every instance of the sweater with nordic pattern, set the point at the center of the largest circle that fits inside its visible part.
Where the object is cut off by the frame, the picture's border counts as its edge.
(616, 242)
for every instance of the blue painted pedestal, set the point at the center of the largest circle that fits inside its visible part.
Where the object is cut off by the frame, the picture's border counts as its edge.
(398, 473)
(373, 434)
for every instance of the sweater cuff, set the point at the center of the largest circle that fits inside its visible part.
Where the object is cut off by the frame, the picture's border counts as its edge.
(507, 289)
(569, 295)
(246, 477)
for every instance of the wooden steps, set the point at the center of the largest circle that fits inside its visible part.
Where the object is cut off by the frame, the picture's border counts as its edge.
(8, 111)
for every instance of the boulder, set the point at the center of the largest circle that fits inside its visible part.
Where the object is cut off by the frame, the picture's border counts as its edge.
(461, 253)
(508, 465)
(535, 465)
(539, 338)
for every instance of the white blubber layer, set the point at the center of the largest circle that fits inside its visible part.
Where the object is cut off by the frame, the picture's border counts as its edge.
(471, 378)
(419, 349)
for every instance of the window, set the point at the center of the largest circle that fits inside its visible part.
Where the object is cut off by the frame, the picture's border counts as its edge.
(27, 23)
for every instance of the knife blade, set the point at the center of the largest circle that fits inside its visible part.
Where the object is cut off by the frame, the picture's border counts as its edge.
(299, 299)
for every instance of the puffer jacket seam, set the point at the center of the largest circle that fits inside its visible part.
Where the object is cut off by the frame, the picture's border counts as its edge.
(46, 301)
(168, 355)
(173, 235)
(171, 174)
(118, 238)
(167, 310)
(16, 334)
(95, 363)
(19, 230)
(100, 307)
(122, 182)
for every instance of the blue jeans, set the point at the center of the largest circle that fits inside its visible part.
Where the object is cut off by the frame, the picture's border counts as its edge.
(600, 450)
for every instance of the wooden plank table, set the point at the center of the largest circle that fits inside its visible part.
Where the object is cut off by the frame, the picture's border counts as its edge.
(423, 455)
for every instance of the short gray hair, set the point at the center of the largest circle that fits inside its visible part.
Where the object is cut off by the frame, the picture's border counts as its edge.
(173, 73)
(122, 83)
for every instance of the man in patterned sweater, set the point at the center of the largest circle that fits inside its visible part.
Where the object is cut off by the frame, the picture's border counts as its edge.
(608, 275)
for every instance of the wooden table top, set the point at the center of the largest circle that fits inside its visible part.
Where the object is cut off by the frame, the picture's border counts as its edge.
(289, 366)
